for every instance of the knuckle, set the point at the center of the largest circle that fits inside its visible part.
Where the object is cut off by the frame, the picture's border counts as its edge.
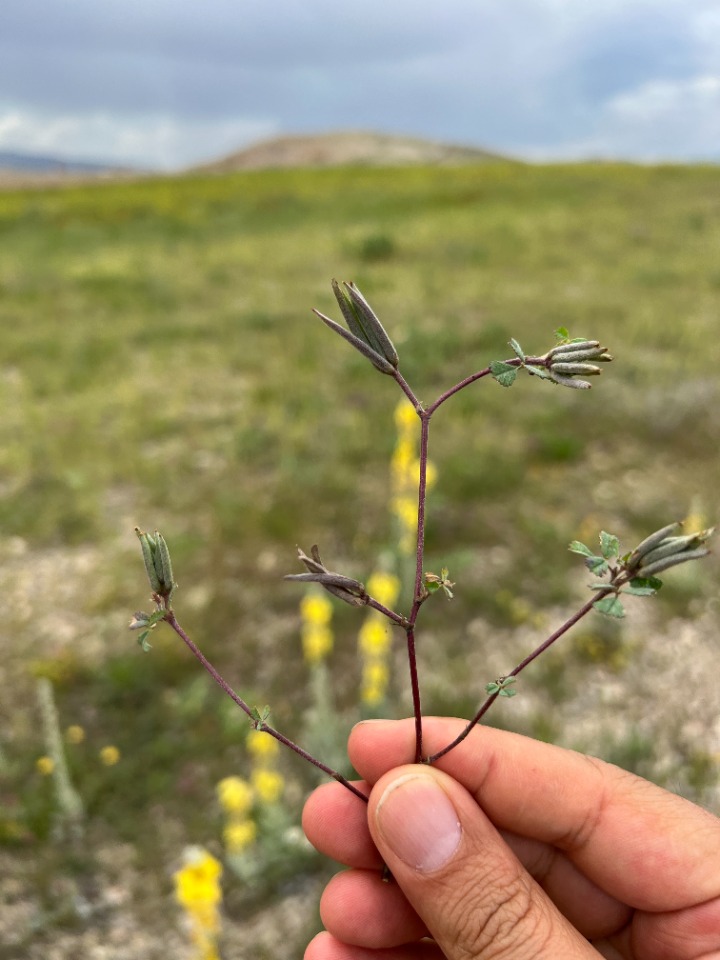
(499, 921)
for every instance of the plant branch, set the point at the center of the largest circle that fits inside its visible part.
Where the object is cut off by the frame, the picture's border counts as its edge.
(172, 622)
(585, 609)
(406, 389)
(386, 612)
(513, 362)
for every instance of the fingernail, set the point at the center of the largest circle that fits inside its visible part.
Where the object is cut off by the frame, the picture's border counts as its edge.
(418, 822)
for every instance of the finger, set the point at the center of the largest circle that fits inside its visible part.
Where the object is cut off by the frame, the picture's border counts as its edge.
(359, 908)
(457, 872)
(589, 909)
(335, 823)
(326, 947)
(644, 846)
(691, 934)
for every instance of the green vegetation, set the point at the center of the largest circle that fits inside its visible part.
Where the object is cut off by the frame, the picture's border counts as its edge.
(160, 366)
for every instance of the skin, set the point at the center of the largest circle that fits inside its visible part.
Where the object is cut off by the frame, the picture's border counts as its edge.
(548, 854)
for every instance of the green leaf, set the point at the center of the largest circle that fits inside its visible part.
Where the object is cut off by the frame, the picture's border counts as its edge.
(502, 686)
(596, 565)
(643, 586)
(517, 349)
(432, 586)
(610, 606)
(654, 582)
(504, 373)
(639, 591)
(143, 641)
(537, 371)
(609, 545)
(580, 548)
(562, 334)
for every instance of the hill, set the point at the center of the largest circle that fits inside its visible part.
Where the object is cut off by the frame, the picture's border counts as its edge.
(346, 148)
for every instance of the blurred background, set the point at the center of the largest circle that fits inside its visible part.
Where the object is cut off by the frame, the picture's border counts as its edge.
(178, 187)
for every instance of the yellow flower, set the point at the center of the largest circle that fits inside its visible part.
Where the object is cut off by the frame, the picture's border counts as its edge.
(317, 642)
(75, 734)
(384, 587)
(376, 674)
(402, 465)
(406, 510)
(45, 765)
(268, 785)
(235, 795)
(315, 608)
(405, 416)
(238, 835)
(198, 882)
(261, 745)
(109, 756)
(374, 637)
(371, 695)
(430, 473)
(197, 889)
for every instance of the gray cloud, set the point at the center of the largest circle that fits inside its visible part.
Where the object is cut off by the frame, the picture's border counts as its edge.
(528, 76)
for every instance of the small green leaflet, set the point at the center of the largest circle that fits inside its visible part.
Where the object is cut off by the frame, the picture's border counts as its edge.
(501, 687)
(517, 349)
(643, 586)
(598, 565)
(562, 334)
(610, 606)
(504, 373)
(537, 371)
(259, 718)
(143, 641)
(609, 545)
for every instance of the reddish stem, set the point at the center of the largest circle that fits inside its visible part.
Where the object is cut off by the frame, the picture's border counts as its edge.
(586, 608)
(171, 620)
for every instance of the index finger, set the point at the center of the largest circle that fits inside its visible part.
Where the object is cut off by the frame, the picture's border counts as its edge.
(643, 845)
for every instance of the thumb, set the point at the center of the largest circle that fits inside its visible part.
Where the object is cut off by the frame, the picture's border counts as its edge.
(474, 896)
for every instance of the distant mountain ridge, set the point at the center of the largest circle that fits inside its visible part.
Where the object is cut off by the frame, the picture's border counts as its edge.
(36, 163)
(346, 148)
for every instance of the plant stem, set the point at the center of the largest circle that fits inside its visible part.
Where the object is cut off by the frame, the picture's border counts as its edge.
(585, 609)
(171, 620)
(418, 588)
(386, 612)
(406, 389)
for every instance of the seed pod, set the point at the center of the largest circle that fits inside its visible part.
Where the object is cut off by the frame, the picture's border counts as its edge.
(659, 565)
(669, 547)
(149, 548)
(569, 381)
(163, 566)
(379, 362)
(574, 347)
(374, 330)
(646, 545)
(596, 353)
(344, 588)
(589, 369)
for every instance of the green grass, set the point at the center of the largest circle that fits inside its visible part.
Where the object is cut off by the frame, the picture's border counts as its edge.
(161, 366)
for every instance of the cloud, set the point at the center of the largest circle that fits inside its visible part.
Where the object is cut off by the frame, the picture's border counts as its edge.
(149, 140)
(659, 120)
(171, 82)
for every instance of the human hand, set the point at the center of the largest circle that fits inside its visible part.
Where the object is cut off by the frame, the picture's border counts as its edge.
(510, 848)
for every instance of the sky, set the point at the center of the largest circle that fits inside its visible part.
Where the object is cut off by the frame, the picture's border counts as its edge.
(164, 84)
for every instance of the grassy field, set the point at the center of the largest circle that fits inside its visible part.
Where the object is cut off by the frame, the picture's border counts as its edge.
(160, 366)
